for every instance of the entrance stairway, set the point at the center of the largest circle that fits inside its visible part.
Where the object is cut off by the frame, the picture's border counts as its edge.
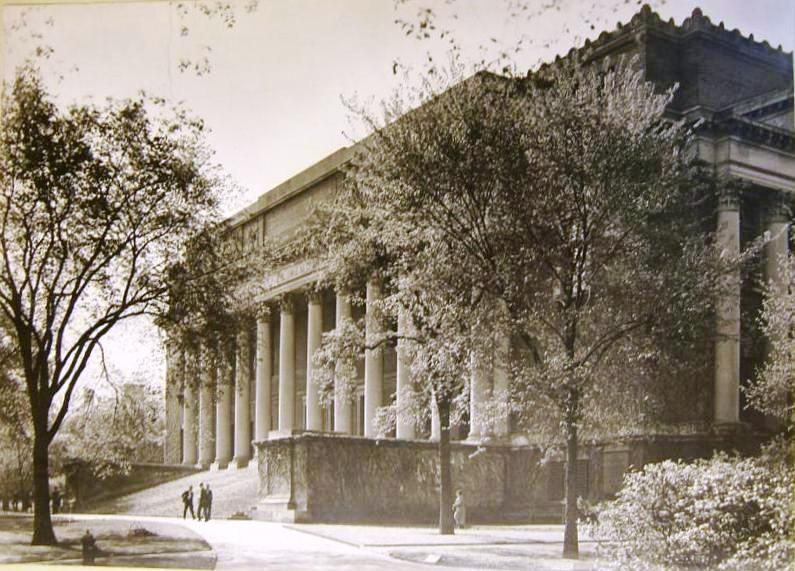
(233, 490)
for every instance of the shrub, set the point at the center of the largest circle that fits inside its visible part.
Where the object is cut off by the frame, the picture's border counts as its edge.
(723, 513)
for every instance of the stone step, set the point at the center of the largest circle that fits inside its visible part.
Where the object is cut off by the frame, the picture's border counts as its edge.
(234, 491)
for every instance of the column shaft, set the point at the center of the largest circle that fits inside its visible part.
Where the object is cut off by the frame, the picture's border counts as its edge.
(777, 248)
(436, 427)
(343, 411)
(262, 406)
(373, 360)
(314, 333)
(405, 425)
(286, 368)
(242, 401)
(207, 414)
(174, 374)
(727, 345)
(501, 360)
(478, 394)
(223, 412)
(189, 449)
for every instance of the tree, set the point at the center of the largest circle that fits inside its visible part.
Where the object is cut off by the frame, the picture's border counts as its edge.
(775, 380)
(108, 432)
(96, 204)
(560, 208)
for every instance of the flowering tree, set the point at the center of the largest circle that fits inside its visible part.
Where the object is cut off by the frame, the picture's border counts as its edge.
(718, 513)
(772, 391)
(95, 205)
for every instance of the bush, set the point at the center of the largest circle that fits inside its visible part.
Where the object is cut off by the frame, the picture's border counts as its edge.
(723, 513)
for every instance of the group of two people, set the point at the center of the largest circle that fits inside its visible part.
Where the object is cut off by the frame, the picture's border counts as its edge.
(205, 502)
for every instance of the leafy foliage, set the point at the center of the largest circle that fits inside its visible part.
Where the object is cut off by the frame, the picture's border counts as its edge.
(773, 389)
(95, 206)
(107, 433)
(721, 513)
(561, 210)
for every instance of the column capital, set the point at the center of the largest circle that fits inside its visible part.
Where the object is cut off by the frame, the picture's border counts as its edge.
(287, 303)
(778, 208)
(728, 198)
(313, 295)
(263, 312)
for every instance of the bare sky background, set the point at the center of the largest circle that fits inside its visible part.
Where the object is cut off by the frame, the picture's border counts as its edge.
(272, 95)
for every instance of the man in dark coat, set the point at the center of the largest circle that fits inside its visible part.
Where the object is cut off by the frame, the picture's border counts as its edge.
(202, 501)
(187, 503)
(208, 507)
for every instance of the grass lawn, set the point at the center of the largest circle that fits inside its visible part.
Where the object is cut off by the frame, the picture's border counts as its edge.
(122, 543)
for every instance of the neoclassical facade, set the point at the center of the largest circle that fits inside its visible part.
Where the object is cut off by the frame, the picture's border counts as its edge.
(742, 91)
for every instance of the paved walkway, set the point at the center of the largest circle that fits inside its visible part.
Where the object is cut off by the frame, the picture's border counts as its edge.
(265, 545)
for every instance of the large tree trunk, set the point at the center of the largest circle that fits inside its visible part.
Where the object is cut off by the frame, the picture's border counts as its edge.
(43, 533)
(570, 536)
(446, 526)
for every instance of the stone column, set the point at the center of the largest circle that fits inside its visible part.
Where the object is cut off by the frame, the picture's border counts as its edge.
(207, 412)
(174, 374)
(223, 410)
(777, 248)
(478, 394)
(373, 360)
(242, 399)
(286, 366)
(500, 378)
(314, 333)
(727, 345)
(190, 411)
(262, 405)
(405, 425)
(436, 427)
(343, 411)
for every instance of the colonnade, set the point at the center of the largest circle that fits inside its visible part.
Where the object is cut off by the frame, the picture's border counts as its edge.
(726, 394)
(206, 428)
(217, 429)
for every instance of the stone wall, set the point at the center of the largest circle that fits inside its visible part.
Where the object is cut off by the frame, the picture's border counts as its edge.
(350, 479)
(337, 478)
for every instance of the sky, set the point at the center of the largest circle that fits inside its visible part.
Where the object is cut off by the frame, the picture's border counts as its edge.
(273, 91)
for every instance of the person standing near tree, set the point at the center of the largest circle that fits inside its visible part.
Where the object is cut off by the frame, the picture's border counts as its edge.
(460, 510)
(187, 503)
(56, 500)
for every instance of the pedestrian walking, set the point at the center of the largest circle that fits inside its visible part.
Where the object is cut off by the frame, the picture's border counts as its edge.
(187, 503)
(56, 500)
(208, 509)
(90, 550)
(459, 510)
(202, 501)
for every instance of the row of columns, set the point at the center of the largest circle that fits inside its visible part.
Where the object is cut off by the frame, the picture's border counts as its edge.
(206, 436)
(206, 429)
(726, 409)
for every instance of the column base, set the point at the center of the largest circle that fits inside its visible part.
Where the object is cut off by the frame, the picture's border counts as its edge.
(730, 428)
(280, 510)
(204, 465)
(219, 465)
(241, 463)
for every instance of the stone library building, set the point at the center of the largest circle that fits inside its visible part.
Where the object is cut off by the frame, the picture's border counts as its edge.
(328, 464)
